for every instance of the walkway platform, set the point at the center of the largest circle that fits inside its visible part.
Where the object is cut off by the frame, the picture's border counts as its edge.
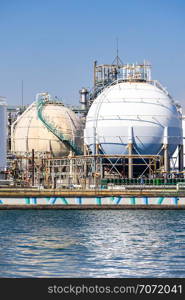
(20, 192)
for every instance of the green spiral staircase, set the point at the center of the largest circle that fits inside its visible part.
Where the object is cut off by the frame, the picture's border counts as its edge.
(40, 105)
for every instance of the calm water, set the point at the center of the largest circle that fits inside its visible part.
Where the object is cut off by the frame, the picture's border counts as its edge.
(92, 243)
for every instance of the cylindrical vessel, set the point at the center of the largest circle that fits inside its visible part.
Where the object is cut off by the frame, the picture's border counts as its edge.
(3, 133)
(145, 108)
(84, 98)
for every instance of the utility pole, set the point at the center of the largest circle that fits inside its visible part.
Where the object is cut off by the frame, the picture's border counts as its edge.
(22, 93)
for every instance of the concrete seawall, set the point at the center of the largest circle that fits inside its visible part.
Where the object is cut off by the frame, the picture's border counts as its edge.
(91, 199)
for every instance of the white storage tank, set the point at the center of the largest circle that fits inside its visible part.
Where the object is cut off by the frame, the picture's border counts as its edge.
(138, 107)
(3, 133)
(47, 126)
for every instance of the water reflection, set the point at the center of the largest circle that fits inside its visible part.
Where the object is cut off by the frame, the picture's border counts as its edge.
(92, 243)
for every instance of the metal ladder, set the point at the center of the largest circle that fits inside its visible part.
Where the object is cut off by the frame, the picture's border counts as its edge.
(40, 105)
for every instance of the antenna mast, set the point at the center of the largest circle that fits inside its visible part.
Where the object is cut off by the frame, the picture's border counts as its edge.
(117, 51)
(117, 59)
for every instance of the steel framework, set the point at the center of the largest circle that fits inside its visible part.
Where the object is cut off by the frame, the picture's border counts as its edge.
(84, 171)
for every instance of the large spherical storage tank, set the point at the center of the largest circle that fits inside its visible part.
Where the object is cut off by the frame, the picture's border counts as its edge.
(138, 107)
(3, 133)
(29, 132)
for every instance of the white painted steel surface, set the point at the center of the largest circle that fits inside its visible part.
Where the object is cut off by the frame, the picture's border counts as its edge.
(3, 133)
(140, 106)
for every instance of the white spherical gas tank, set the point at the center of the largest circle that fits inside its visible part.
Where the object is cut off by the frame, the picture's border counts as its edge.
(140, 107)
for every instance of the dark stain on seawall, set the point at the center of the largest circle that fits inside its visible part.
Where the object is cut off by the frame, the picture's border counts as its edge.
(90, 207)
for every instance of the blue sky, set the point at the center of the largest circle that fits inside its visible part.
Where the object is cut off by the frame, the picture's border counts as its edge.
(51, 44)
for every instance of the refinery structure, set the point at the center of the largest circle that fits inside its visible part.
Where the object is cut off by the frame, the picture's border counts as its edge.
(128, 130)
